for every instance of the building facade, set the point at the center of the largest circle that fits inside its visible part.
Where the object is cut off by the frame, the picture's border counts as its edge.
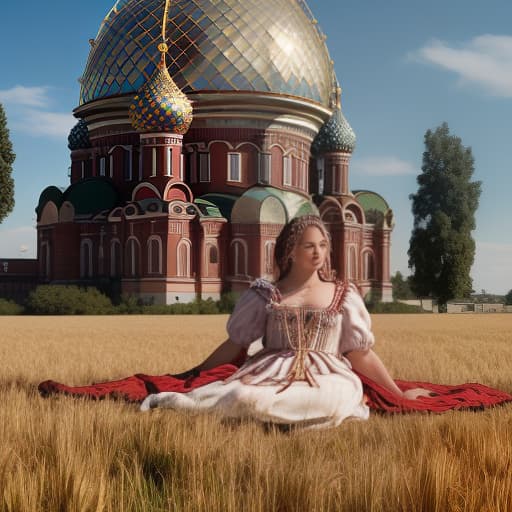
(203, 127)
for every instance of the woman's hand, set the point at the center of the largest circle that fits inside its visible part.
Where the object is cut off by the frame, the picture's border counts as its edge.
(413, 394)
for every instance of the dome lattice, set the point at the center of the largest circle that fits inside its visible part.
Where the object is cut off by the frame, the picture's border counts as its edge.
(257, 45)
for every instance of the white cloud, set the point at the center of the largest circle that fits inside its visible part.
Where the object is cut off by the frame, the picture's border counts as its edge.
(27, 109)
(27, 96)
(18, 242)
(382, 166)
(492, 270)
(485, 60)
(38, 122)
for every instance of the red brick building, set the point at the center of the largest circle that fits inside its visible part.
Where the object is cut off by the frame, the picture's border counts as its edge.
(172, 208)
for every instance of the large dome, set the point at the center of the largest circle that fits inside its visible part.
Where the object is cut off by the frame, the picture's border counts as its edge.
(269, 46)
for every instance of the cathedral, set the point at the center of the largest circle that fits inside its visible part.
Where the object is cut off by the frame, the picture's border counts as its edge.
(203, 127)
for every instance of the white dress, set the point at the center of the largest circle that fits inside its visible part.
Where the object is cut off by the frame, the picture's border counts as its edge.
(301, 376)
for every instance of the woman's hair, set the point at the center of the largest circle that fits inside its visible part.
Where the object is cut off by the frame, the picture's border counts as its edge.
(290, 236)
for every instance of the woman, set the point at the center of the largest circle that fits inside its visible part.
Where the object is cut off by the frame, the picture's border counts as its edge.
(315, 331)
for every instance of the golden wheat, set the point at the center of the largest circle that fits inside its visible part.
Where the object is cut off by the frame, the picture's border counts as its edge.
(63, 454)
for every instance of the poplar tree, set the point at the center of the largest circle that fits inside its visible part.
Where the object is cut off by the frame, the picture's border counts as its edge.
(6, 160)
(442, 250)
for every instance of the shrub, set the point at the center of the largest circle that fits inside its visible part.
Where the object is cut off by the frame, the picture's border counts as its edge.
(67, 300)
(197, 307)
(129, 305)
(393, 307)
(9, 307)
(227, 302)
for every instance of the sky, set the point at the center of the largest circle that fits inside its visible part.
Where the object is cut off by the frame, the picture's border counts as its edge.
(405, 66)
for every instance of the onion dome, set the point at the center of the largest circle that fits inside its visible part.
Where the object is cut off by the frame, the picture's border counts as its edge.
(160, 106)
(78, 137)
(335, 135)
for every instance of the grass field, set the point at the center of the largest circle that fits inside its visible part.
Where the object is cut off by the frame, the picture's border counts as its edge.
(63, 454)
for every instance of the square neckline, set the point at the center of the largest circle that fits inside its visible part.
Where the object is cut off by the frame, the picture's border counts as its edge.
(339, 289)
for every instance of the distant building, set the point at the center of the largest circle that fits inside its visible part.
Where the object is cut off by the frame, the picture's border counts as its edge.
(171, 208)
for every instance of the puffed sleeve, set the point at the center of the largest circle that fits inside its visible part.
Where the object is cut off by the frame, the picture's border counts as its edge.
(248, 321)
(356, 331)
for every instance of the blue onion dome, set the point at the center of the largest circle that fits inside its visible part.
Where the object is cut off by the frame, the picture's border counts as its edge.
(78, 137)
(268, 46)
(160, 106)
(335, 135)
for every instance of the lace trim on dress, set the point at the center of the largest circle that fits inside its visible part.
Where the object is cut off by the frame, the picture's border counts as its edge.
(266, 289)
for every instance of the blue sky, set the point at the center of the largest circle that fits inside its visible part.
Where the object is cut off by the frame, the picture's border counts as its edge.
(404, 66)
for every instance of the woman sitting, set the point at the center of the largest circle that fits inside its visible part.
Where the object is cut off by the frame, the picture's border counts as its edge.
(315, 331)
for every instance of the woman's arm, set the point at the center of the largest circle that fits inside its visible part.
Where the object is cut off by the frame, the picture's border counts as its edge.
(225, 353)
(368, 363)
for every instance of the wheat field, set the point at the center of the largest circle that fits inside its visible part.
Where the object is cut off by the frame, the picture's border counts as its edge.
(63, 454)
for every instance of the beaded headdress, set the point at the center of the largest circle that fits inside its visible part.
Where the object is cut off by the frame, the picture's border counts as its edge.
(290, 237)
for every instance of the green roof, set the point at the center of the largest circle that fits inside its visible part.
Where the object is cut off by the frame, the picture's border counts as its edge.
(207, 208)
(371, 201)
(224, 202)
(258, 204)
(92, 195)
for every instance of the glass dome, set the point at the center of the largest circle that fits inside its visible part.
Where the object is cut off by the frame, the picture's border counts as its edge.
(272, 46)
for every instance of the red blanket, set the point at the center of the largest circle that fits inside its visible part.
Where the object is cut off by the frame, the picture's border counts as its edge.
(137, 387)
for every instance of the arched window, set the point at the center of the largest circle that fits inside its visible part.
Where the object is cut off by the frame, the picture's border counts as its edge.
(212, 260)
(45, 259)
(86, 258)
(155, 255)
(239, 257)
(115, 258)
(369, 265)
(287, 170)
(183, 259)
(168, 161)
(351, 263)
(127, 164)
(214, 254)
(133, 257)
(269, 257)
(101, 260)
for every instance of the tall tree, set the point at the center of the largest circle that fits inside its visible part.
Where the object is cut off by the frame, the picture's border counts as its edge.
(6, 160)
(441, 250)
(401, 287)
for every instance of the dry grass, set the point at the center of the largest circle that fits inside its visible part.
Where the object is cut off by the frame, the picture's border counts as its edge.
(63, 454)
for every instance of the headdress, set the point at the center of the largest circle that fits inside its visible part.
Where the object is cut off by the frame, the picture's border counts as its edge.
(291, 235)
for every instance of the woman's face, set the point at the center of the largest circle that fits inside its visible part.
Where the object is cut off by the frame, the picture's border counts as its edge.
(311, 250)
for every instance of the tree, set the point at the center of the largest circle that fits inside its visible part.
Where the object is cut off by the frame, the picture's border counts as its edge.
(508, 298)
(6, 160)
(401, 287)
(441, 250)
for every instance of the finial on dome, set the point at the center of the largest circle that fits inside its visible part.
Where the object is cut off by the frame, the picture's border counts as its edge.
(162, 48)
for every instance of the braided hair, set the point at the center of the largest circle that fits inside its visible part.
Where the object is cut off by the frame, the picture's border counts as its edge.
(290, 236)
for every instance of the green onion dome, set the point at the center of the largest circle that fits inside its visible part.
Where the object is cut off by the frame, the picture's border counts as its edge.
(335, 135)
(160, 106)
(78, 137)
